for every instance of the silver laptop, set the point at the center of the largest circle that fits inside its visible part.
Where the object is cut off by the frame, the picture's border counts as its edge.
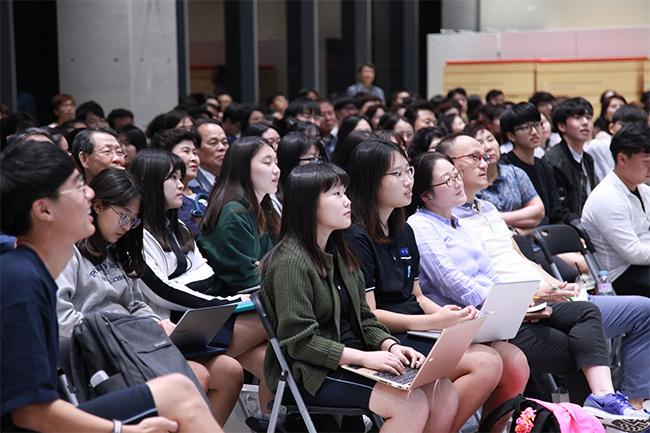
(199, 326)
(505, 307)
(440, 362)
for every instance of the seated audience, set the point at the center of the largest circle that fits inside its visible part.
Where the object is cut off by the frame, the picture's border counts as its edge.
(366, 75)
(421, 115)
(628, 315)
(495, 97)
(92, 114)
(266, 130)
(103, 276)
(313, 291)
(617, 216)
(96, 148)
(119, 117)
(573, 169)
(304, 109)
(133, 140)
(240, 223)
(375, 113)
(328, 124)
(45, 203)
(609, 104)
(380, 186)
(456, 269)
(64, 109)
(453, 122)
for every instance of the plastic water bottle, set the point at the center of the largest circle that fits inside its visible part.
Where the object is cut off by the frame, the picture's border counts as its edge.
(604, 286)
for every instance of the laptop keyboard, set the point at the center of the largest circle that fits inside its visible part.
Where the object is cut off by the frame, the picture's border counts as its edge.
(402, 379)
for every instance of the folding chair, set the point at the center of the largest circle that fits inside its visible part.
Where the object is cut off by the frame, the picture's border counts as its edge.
(525, 247)
(287, 378)
(577, 224)
(560, 238)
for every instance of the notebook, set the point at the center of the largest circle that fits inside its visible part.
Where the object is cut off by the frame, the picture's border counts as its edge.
(199, 326)
(505, 307)
(441, 361)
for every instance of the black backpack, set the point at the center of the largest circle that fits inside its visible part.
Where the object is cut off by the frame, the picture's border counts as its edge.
(130, 350)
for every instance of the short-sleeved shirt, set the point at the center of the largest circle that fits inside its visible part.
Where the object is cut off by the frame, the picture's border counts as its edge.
(29, 333)
(511, 190)
(389, 269)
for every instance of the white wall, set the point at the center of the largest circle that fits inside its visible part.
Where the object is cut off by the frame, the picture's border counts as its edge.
(120, 53)
(552, 44)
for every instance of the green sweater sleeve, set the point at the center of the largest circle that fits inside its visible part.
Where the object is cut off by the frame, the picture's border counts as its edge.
(233, 250)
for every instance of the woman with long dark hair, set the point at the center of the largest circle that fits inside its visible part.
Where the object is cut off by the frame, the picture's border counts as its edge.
(381, 182)
(240, 223)
(313, 290)
(177, 277)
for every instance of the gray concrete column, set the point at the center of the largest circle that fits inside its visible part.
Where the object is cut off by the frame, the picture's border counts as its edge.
(302, 45)
(241, 50)
(120, 53)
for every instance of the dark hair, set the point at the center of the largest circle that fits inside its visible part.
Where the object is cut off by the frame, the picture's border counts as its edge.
(365, 65)
(571, 107)
(302, 191)
(304, 91)
(370, 113)
(424, 165)
(306, 127)
(259, 128)
(349, 124)
(151, 168)
(602, 122)
(474, 102)
(291, 148)
(134, 135)
(449, 141)
(365, 97)
(84, 142)
(115, 187)
(631, 139)
(368, 165)
(344, 149)
(29, 170)
(493, 94)
(89, 107)
(517, 115)
(630, 113)
(118, 113)
(169, 138)
(390, 136)
(422, 139)
(541, 98)
(15, 123)
(411, 112)
(447, 120)
(234, 184)
(30, 132)
(247, 112)
(302, 105)
(456, 91)
(391, 121)
(342, 101)
(398, 91)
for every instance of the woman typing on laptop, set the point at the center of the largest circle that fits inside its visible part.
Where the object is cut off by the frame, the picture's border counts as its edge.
(313, 290)
(380, 186)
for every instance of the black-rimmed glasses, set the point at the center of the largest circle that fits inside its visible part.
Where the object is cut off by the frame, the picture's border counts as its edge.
(453, 179)
(476, 157)
(313, 160)
(400, 174)
(528, 128)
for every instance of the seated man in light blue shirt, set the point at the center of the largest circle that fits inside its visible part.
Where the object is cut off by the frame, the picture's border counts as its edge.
(366, 74)
(616, 215)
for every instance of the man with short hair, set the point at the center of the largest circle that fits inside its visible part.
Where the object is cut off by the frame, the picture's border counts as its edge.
(305, 110)
(119, 117)
(628, 315)
(598, 148)
(327, 124)
(211, 144)
(495, 97)
(96, 148)
(573, 169)
(366, 75)
(420, 114)
(91, 113)
(233, 119)
(345, 107)
(616, 215)
(45, 203)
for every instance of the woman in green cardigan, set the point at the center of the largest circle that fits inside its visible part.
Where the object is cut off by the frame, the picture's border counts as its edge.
(240, 223)
(314, 292)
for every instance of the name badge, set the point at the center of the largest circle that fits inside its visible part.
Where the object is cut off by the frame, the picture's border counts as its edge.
(404, 252)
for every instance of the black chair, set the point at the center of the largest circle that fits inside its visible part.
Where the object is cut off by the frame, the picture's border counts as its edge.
(577, 224)
(287, 378)
(558, 239)
(525, 247)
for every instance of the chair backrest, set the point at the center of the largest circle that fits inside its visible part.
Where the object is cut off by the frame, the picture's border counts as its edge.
(558, 239)
(577, 225)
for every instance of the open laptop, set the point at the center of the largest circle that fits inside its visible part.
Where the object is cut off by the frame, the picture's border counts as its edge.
(505, 307)
(199, 326)
(441, 361)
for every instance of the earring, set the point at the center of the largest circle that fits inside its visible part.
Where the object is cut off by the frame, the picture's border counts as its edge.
(429, 200)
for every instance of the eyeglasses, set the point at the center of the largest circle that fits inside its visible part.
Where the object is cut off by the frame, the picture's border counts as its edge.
(81, 188)
(476, 157)
(125, 219)
(313, 160)
(449, 182)
(528, 128)
(108, 153)
(400, 174)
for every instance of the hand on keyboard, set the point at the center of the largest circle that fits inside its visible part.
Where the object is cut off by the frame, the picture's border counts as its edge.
(408, 356)
(382, 360)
